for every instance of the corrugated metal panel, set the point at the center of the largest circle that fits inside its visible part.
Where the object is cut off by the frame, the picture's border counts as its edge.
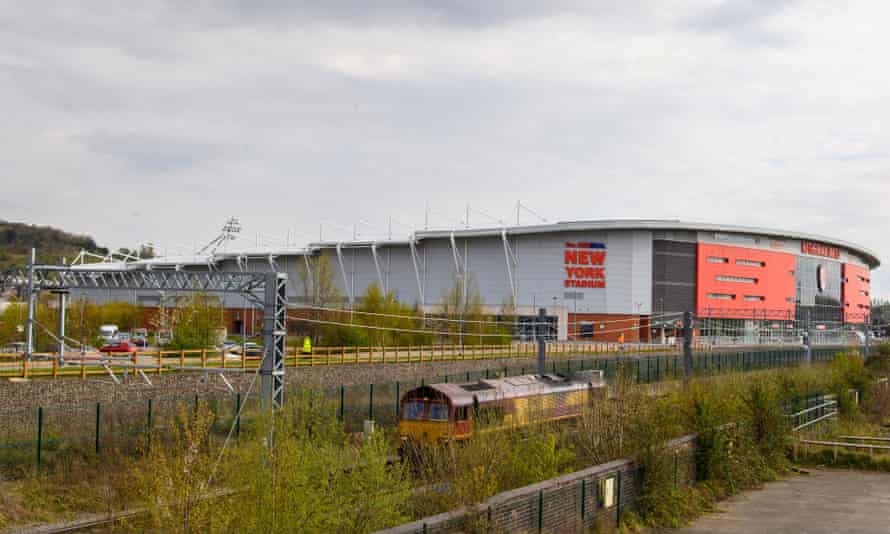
(673, 276)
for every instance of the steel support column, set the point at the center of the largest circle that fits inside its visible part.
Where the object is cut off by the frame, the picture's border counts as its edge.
(63, 298)
(274, 337)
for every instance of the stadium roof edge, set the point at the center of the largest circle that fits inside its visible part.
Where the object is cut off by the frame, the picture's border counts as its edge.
(650, 224)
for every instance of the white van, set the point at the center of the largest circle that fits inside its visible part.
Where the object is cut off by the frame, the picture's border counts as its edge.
(108, 332)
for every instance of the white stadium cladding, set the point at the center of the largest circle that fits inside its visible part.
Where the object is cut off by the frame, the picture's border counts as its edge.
(524, 265)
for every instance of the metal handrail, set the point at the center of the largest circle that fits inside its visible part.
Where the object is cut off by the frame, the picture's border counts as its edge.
(845, 445)
(807, 410)
(865, 438)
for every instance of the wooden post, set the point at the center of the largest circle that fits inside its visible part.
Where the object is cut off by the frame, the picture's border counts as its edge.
(342, 355)
(182, 358)
(203, 358)
(83, 369)
(160, 360)
(25, 368)
(383, 349)
(55, 368)
(243, 359)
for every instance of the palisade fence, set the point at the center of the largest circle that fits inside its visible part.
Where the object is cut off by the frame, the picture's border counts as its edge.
(52, 435)
(577, 502)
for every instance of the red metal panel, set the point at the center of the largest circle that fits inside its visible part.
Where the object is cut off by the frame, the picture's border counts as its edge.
(770, 294)
(856, 293)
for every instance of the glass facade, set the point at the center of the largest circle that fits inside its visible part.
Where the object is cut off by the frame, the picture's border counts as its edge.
(819, 290)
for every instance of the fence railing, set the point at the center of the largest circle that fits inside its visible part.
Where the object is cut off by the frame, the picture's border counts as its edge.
(577, 502)
(161, 361)
(813, 415)
(58, 430)
(836, 446)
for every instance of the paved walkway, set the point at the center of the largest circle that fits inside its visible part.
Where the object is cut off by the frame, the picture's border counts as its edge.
(826, 502)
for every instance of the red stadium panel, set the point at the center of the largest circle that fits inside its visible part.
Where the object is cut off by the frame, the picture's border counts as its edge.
(743, 283)
(857, 293)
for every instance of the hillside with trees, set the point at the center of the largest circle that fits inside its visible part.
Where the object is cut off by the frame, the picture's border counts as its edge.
(17, 239)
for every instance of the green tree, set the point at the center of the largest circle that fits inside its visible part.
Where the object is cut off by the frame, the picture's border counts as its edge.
(318, 279)
(197, 323)
(315, 479)
(172, 481)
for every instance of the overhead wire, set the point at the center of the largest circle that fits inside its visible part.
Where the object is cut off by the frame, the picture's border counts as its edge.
(425, 318)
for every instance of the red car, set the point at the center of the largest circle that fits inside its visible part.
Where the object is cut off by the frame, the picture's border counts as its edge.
(119, 347)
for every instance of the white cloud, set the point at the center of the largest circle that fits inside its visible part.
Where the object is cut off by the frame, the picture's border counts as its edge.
(287, 113)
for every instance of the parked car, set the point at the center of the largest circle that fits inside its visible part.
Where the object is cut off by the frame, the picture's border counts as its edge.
(108, 332)
(140, 337)
(250, 349)
(119, 346)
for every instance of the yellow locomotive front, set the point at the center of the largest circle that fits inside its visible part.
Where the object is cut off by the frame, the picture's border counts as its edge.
(428, 415)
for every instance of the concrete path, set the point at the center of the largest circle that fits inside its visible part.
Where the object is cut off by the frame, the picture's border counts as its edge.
(826, 501)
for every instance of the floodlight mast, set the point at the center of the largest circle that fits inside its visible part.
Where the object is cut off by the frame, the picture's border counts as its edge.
(268, 289)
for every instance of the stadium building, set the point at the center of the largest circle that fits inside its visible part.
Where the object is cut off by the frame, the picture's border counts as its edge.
(596, 279)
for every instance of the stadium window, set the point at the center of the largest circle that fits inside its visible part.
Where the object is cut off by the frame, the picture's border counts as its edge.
(736, 279)
(721, 296)
(754, 298)
(716, 259)
(750, 263)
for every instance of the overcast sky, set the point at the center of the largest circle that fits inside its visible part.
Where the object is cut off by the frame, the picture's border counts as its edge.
(155, 121)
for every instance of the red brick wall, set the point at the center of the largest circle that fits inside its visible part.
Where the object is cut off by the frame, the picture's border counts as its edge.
(609, 327)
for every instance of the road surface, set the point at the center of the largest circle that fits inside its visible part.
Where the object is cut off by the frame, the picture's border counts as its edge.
(826, 501)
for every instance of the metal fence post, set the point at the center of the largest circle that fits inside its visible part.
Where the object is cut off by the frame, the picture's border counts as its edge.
(371, 402)
(542, 342)
(583, 501)
(398, 401)
(618, 500)
(98, 428)
(540, 511)
(342, 395)
(687, 346)
(148, 422)
(238, 414)
(39, 435)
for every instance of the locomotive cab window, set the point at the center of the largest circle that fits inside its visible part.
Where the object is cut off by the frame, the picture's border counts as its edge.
(412, 411)
(438, 412)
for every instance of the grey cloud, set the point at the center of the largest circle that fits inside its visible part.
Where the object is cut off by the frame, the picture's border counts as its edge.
(149, 153)
(744, 21)
(467, 13)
